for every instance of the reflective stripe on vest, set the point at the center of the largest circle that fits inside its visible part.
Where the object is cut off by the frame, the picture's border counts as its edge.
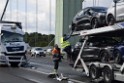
(64, 43)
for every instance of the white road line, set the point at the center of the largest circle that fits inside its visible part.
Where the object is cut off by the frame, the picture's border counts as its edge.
(33, 80)
(36, 71)
(77, 81)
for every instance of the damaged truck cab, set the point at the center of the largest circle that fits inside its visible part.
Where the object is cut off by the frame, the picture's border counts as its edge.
(12, 46)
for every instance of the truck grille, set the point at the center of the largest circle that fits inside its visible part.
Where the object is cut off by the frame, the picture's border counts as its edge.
(15, 54)
(14, 58)
(14, 49)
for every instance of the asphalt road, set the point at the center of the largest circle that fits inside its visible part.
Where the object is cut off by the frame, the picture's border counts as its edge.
(22, 75)
(38, 70)
(45, 65)
(8, 77)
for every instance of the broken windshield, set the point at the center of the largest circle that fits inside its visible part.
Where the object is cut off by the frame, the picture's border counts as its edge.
(11, 37)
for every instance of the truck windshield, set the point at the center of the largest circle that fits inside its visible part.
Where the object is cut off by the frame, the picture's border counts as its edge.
(11, 37)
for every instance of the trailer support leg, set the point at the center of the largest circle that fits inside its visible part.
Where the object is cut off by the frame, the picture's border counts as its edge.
(122, 68)
(79, 57)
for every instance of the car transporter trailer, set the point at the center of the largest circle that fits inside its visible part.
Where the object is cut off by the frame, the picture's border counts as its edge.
(96, 69)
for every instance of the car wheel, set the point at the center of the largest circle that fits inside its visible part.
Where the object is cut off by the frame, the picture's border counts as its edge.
(108, 75)
(111, 19)
(35, 54)
(94, 72)
(32, 54)
(94, 23)
(104, 56)
(117, 57)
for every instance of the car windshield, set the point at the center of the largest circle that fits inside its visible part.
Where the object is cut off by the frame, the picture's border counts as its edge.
(78, 14)
(11, 37)
(99, 9)
(38, 49)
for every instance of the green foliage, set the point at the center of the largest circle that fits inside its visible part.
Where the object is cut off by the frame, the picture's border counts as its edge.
(38, 39)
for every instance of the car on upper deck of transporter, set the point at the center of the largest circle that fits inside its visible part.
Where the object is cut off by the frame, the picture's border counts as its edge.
(88, 18)
(110, 17)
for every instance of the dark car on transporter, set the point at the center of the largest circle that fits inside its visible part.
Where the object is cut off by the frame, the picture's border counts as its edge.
(103, 49)
(88, 18)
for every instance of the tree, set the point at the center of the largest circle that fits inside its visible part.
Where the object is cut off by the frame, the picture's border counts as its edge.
(42, 40)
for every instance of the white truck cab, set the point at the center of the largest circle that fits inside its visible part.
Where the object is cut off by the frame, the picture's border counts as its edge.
(12, 46)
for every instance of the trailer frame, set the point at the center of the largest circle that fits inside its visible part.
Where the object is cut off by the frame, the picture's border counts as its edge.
(114, 30)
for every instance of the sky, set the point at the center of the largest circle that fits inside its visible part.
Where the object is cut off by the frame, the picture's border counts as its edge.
(38, 16)
(104, 3)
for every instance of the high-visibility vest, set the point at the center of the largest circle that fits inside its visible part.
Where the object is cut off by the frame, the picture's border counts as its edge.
(64, 43)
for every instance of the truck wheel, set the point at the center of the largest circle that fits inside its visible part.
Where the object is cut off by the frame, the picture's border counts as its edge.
(108, 75)
(94, 72)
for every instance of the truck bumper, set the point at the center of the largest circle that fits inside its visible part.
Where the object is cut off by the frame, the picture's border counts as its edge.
(12, 59)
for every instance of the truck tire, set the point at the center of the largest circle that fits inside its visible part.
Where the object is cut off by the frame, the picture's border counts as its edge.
(108, 75)
(94, 72)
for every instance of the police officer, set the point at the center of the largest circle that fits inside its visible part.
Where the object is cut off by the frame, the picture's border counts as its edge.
(66, 46)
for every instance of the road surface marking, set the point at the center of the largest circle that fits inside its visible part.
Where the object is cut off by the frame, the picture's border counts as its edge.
(33, 80)
(77, 81)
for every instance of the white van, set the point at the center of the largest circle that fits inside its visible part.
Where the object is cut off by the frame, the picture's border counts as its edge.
(110, 18)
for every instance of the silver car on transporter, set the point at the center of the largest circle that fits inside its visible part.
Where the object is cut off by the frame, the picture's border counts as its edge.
(110, 17)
